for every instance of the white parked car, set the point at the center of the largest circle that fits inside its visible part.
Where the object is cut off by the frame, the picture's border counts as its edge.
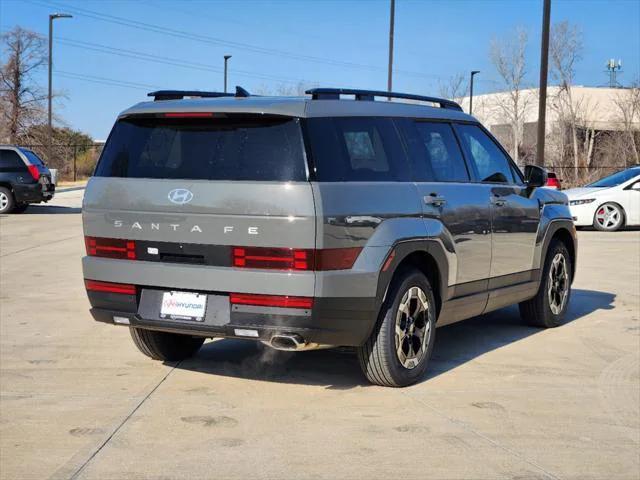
(609, 203)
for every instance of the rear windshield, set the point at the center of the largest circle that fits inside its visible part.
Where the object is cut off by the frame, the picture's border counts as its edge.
(230, 148)
(33, 158)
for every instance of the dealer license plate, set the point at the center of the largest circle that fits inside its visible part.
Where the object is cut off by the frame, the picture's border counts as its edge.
(183, 306)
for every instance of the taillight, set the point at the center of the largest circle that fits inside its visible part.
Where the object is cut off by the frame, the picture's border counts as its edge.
(110, 247)
(35, 173)
(278, 258)
(336, 258)
(294, 259)
(553, 182)
(283, 301)
(97, 286)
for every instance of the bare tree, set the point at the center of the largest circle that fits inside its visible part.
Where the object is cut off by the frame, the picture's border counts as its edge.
(508, 57)
(454, 88)
(628, 105)
(21, 100)
(565, 51)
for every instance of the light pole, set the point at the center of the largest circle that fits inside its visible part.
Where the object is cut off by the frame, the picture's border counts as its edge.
(52, 17)
(226, 59)
(473, 73)
(392, 16)
(544, 70)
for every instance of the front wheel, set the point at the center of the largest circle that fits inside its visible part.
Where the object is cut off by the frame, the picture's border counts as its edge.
(548, 307)
(165, 346)
(608, 217)
(398, 350)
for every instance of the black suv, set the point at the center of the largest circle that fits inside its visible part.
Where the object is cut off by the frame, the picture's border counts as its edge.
(24, 179)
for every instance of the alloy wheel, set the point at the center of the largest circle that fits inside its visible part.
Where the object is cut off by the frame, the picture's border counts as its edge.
(608, 217)
(4, 201)
(558, 284)
(413, 328)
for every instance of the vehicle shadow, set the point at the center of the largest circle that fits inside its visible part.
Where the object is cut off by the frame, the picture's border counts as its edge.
(338, 368)
(50, 209)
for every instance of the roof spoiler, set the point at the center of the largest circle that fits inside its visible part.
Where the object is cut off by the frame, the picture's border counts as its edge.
(180, 94)
(369, 95)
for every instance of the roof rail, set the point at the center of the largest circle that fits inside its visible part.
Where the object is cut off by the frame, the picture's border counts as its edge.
(180, 94)
(334, 94)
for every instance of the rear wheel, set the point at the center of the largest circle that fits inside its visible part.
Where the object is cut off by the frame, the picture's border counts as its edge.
(398, 350)
(548, 307)
(608, 217)
(7, 202)
(165, 346)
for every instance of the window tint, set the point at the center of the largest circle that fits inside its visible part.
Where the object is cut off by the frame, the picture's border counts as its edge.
(442, 157)
(230, 148)
(356, 149)
(33, 158)
(11, 161)
(616, 178)
(490, 163)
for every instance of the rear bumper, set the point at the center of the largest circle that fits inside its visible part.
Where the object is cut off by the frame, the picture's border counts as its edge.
(33, 192)
(332, 321)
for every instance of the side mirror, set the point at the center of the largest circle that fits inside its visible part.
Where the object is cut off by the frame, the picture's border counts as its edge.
(535, 176)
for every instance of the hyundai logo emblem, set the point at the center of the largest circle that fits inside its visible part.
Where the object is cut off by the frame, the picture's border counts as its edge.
(180, 196)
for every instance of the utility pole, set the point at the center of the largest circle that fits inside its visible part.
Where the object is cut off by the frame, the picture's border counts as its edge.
(52, 17)
(473, 73)
(226, 59)
(391, 27)
(544, 70)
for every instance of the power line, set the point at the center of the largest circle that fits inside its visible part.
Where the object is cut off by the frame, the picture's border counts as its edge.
(106, 81)
(218, 41)
(122, 52)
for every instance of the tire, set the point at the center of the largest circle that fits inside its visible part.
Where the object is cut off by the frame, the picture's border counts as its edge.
(548, 309)
(20, 207)
(379, 357)
(7, 202)
(171, 347)
(609, 217)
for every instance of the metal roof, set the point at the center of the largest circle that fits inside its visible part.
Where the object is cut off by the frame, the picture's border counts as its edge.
(298, 107)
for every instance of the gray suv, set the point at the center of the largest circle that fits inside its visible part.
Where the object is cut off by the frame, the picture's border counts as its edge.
(314, 222)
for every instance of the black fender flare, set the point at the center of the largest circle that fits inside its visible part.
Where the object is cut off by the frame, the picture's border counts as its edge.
(399, 252)
(553, 227)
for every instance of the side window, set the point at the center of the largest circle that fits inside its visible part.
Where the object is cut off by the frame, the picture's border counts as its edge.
(10, 161)
(442, 157)
(490, 164)
(353, 149)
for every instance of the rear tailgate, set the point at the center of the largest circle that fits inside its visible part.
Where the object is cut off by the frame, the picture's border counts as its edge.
(219, 183)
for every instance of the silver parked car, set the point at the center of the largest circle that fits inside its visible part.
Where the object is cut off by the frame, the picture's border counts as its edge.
(316, 222)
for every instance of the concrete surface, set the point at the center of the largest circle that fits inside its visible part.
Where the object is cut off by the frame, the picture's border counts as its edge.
(501, 400)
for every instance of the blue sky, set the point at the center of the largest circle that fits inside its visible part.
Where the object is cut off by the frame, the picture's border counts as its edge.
(280, 42)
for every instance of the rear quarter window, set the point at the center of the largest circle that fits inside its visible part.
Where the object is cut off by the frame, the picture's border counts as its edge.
(356, 149)
(228, 148)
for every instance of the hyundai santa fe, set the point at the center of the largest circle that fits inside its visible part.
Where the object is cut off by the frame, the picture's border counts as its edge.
(334, 219)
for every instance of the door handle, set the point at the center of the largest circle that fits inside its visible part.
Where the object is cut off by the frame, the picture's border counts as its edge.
(434, 199)
(499, 202)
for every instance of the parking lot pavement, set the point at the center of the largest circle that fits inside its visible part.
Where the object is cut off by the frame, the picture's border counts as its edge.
(501, 400)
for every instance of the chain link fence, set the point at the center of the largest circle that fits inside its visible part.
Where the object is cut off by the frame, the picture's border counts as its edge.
(73, 161)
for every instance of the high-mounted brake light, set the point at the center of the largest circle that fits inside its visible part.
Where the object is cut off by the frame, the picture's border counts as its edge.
(283, 301)
(109, 287)
(188, 115)
(294, 258)
(110, 247)
(34, 171)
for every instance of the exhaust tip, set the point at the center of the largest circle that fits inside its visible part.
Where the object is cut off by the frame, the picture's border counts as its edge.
(287, 342)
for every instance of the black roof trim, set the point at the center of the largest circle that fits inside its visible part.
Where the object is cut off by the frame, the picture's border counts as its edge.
(369, 95)
(180, 94)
